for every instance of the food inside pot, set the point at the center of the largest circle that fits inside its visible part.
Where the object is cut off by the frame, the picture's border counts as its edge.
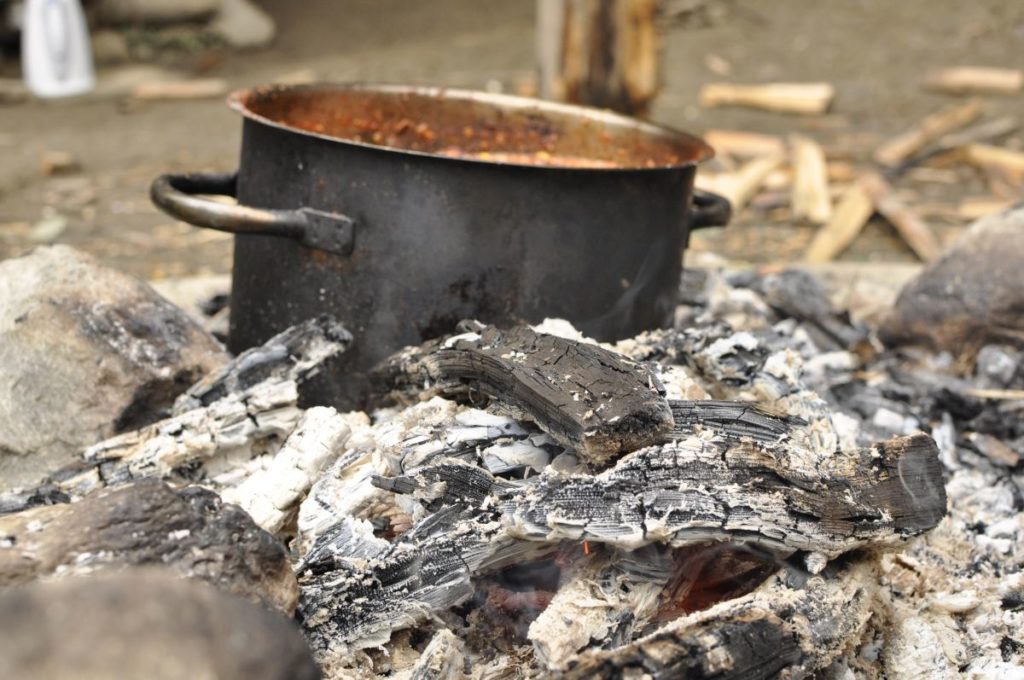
(475, 126)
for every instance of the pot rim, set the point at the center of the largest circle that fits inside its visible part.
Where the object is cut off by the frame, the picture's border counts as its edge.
(702, 151)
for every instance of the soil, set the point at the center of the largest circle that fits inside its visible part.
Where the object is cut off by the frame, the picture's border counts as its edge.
(876, 53)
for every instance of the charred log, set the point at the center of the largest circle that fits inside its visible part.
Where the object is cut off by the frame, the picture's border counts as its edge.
(591, 399)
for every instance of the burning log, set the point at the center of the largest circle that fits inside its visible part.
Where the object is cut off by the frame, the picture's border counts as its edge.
(588, 398)
(779, 497)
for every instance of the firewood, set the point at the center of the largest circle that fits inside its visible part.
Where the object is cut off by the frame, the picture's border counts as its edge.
(694, 490)
(983, 155)
(202, 88)
(810, 181)
(912, 229)
(586, 397)
(898, 149)
(851, 213)
(976, 79)
(741, 186)
(971, 209)
(744, 144)
(805, 98)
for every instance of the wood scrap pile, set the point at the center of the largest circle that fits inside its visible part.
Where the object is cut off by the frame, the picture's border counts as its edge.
(957, 152)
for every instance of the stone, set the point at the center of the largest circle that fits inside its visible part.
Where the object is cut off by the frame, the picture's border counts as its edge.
(190, 530)
(973, 295)
(115, 12)
(85, 352)
(144, 623)
(243, 25)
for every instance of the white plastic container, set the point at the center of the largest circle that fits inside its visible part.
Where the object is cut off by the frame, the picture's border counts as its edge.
(56, 57)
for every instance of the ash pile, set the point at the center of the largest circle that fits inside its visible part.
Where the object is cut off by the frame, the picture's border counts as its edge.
(777, 485)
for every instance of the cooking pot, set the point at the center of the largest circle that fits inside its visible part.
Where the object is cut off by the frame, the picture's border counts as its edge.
(402, 210)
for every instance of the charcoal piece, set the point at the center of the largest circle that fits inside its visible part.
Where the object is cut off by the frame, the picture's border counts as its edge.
(296, 354)
(781, 498)
(442, 659)
(779, 630)
(144, 623)
(593, 400)
(797, 294)
(735, 420)
(189, 530)
(355, 591)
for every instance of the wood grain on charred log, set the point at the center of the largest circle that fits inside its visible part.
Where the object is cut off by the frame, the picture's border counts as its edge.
(591, 399)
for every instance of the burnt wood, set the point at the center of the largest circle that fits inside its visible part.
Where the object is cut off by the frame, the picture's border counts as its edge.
(595, 401)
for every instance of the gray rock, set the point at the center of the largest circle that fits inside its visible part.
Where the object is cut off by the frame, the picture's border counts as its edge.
(189, 530)
(972, 296)
(85, 352)
(243, 25)
(113, 12)
(144, 623)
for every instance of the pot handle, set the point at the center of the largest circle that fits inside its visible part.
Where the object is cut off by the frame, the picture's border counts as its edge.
(178, 196)
(709, 210)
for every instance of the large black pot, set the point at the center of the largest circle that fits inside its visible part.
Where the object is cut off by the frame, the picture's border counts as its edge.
(402, 210)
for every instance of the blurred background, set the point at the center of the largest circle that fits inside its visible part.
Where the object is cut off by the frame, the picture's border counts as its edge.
(77, 170)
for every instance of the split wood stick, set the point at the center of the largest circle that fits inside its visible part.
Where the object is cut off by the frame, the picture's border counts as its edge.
(971, 209)
(985, 131)
(967, 79)
(181, 89)
(744, 144)
(850, 215)
(743, 185)
(986, 154)
(806, 98)
(811, 199)
(898, 149)
(1012, 395)
(912, 229)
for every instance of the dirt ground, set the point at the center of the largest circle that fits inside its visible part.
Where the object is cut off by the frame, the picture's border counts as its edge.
(875, 52)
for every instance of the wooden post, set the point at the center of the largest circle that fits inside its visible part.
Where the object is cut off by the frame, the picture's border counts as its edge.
(599, 52)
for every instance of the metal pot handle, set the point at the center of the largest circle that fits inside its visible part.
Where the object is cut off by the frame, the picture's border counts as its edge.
(178, 196)
(709, 210)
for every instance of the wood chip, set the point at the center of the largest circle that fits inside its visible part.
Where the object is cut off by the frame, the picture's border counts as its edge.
(976, 79)
(181, 89)
(744, 144)
(806, 98)
(912, 229)
(898, 149)
(811, 199)
(850, 215)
